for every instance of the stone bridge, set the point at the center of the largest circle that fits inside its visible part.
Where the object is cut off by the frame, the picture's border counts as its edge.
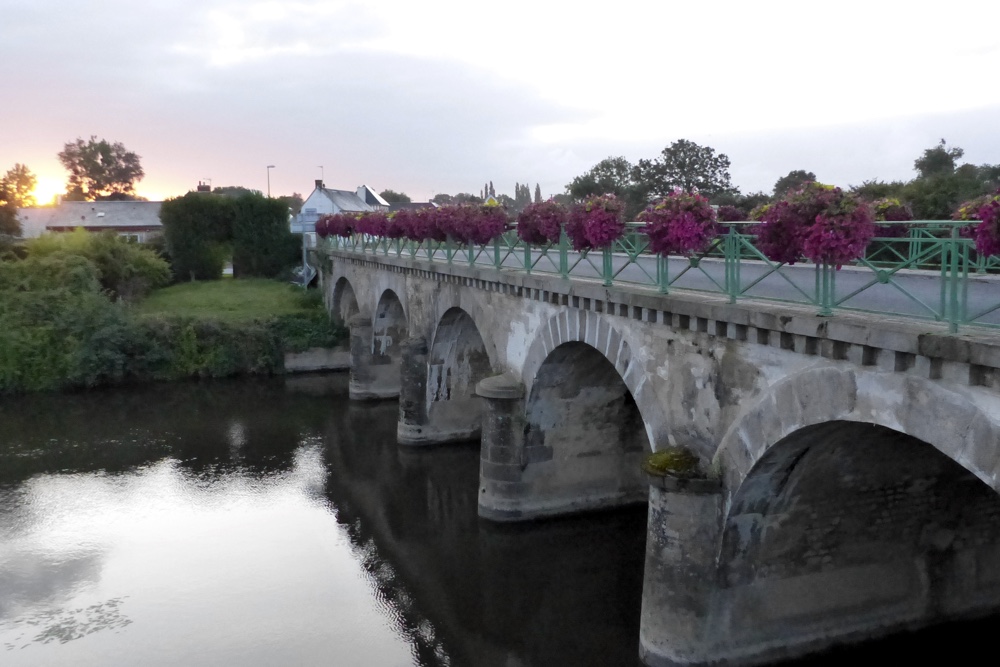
(848, 466)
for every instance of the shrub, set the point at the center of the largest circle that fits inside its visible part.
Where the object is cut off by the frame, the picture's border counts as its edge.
(263, 246)
(197, 229)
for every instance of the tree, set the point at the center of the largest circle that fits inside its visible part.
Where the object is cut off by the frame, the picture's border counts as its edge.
(442, 199)
(538, 194)
(876, 189)
(493, 193)
(263, 246)
(612, 175)
(100, 170)
(937, 161)
(294, 202)
(17, 186)
(685, 165)
(197, 228)
(394, 197)
(791, 181)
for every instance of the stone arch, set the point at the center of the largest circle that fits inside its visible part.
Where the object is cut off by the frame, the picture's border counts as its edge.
(343, 301)
(956, 421)
(457, 360)
(581, 326)
(584, 435)
(389, 329)
(845, 528)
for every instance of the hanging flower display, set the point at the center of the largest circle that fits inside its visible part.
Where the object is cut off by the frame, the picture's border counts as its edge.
(375, 223)
(337, 224)
(986, 209)
(541, 223)
(681, 223)
(596, 223)
(820, 222)
(890, 209)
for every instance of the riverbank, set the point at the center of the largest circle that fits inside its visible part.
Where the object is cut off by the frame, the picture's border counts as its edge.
(63, 331)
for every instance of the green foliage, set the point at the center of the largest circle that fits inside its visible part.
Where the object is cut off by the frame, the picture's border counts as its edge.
(100, 170)
(127, 270)
(197, 228)
(612, 175)
(62, 331)
(876, 189)
(686, 166)
(793, 180)
(938, 161)
(394, 197)
(17, 186)
(263, 246)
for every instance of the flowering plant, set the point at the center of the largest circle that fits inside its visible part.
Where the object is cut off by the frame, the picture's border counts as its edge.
(374, 223)
(337, 224)
(681, 223)
(541, 223)
(596, 223)
(729, 213)
(987, 232)
(891, 210)
(819, 221)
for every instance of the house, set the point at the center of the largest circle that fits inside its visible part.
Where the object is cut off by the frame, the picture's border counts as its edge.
(327, 201)
(138, 220)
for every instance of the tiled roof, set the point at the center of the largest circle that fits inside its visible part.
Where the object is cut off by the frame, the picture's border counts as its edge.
(346, 200)
(91, 214)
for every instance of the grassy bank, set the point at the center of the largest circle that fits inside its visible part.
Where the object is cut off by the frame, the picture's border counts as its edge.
(229, 300)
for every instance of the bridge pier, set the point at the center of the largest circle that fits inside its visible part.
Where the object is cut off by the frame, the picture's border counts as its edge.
(412, 427)
(503, 494)
(682, 540)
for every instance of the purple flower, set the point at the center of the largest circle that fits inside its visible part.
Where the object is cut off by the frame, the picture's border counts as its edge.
(681, 223)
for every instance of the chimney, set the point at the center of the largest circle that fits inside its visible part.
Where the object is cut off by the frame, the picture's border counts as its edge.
(319, 183)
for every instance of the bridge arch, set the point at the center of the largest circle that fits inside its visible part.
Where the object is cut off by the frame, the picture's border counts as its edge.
(584, 435)
(597, 333)
(457, 360)
(869, 526)
(948, 419)
(389, 329)
(343, 301)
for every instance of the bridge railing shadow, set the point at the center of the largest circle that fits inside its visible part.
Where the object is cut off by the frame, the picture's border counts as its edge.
(925, 269)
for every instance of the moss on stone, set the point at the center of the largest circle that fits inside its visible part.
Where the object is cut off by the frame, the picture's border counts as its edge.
(673, 461)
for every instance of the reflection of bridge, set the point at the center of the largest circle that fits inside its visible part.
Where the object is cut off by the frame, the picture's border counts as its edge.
(851, 461)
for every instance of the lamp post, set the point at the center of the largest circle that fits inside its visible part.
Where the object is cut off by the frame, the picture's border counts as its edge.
(269, 168)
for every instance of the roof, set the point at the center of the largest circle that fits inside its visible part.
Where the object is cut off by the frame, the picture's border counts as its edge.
(411, 205)
(371, 197)
(346, 200)
(91, 214)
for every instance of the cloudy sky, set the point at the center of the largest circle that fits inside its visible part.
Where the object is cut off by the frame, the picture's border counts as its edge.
(441, 96)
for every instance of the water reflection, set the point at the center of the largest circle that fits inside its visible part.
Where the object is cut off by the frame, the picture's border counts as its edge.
(274, 522)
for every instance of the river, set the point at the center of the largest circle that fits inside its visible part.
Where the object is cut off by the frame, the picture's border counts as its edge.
(274, 522)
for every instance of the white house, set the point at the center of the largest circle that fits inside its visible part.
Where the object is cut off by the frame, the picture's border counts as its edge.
(327, 201)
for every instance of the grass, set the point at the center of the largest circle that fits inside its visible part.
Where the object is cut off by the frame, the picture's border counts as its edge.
(227, 300)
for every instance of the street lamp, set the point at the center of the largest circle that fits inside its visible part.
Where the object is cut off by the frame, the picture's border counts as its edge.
(269, 168)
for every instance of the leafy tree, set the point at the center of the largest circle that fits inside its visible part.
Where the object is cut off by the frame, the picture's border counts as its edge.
(17, 187)
(100, 170)
(262, 243)
(234, 191)
(791, 181)
(538, 194)
(394, 197)
(938, 161)
(493, 193)
(466, 198)
(442, 199)
(197, 228)
(612, 175)
(294, 202)
(688, 166)
(876, 189)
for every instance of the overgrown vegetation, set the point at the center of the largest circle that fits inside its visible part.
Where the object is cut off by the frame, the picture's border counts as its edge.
(68, 322)
(202, 230)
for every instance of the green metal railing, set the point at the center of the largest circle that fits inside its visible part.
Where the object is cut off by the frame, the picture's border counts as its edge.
(931, 273)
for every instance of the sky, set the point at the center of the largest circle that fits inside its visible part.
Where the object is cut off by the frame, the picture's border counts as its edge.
(443, 96)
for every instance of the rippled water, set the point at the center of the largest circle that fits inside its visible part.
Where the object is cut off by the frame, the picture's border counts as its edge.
(274, 523)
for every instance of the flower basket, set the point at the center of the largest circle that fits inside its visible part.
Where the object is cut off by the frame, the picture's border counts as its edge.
(541, 223)
(680, 224)
(596, 223)
(987, 233)
(820, 222)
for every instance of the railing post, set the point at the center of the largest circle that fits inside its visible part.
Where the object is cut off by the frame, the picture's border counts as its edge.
(496, 252)
(730, 249)
(955, 307)
(824, 282)
(472, 256)
(662, 273)
(563, 254)
(609, 268)
(527, 257)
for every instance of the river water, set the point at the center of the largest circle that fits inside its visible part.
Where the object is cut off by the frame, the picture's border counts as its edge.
(274, 522)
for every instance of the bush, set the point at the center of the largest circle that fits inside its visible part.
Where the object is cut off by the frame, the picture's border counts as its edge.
(197, 229)
(263, 246)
